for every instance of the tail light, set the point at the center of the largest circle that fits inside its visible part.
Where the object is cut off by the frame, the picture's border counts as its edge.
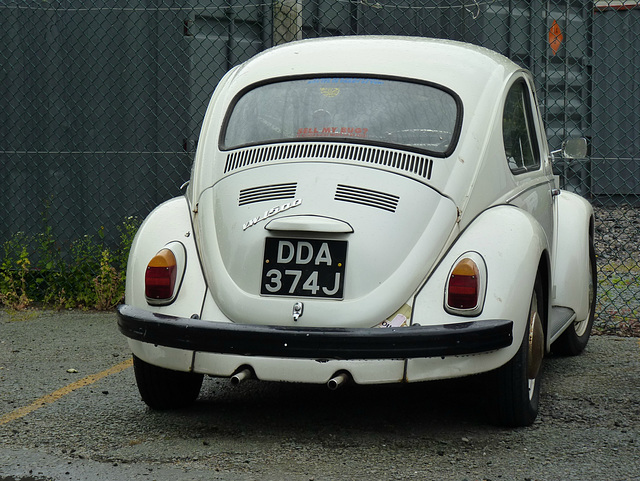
(164, 273)
(464, 294)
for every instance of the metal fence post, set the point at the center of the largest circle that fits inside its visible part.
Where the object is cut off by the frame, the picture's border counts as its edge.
(287, 23)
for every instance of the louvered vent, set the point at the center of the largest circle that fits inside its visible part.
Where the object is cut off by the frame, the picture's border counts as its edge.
(267, 192)
(405, 161)
(371, 198)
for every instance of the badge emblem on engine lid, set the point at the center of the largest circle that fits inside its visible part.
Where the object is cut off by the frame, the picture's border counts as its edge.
(271, 212)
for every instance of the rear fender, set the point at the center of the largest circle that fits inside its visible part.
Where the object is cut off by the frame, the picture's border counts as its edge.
(170, 222)
(571, 254)
(511, 243)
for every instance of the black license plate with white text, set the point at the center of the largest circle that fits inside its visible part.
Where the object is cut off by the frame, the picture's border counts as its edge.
(304, 268)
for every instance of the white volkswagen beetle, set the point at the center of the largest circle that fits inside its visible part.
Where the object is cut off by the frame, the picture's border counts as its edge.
(365, 209)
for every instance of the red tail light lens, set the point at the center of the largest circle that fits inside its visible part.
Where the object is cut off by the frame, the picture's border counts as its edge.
(464, 285)
(160, 277)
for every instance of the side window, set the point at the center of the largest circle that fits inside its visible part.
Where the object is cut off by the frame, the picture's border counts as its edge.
(520, 144)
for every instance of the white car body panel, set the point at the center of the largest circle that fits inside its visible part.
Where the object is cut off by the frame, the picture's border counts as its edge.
(234, 278)
(569, 266)
(168, 223)
(375, 371)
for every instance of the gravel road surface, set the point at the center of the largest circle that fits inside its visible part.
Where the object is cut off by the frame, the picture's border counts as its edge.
(70, 410)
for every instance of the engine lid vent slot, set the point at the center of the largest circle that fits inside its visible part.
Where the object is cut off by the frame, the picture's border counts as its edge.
(267, 192)
(416, 164)
(368, 197)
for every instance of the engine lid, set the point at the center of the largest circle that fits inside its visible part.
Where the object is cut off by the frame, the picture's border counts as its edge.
(350, 243)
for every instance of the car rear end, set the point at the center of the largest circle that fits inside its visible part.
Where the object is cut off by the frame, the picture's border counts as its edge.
(320, 204)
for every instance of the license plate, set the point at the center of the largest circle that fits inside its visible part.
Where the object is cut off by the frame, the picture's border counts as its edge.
(304, 268)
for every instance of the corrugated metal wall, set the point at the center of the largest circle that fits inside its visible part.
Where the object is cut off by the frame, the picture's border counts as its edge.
(92, 105)
(616, 101)
(219, 36)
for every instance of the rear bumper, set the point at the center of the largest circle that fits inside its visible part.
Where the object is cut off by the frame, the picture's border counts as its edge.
(313, 343)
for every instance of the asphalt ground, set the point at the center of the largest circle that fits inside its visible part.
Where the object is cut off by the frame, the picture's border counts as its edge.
(70, 410)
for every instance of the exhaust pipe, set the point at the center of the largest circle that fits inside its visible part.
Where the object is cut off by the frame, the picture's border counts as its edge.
(240, 376)
(338, 380)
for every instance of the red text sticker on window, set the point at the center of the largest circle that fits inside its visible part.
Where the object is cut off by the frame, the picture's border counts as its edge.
(359, 132)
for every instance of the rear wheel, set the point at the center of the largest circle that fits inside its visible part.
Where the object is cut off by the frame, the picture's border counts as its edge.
(164, 388)
(575, 338)
(518, 381)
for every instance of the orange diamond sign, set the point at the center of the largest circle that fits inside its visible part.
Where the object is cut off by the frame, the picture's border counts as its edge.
(555, 37)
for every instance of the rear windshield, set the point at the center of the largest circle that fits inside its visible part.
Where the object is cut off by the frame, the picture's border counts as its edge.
(417, 116)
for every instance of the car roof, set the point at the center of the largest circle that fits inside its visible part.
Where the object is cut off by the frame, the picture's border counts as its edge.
(467, 69)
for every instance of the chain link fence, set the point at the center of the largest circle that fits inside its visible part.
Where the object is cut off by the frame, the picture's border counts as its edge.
(101, 103)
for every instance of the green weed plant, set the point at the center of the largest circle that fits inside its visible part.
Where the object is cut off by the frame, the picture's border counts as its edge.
(15, 269)
(90, 276)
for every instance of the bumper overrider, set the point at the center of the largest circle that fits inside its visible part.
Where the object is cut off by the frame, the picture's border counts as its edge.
(313, 343)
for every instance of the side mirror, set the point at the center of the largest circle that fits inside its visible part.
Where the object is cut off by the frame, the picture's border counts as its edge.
(575, 148)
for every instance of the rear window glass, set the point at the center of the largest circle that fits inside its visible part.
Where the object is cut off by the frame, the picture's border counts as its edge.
(371, 110)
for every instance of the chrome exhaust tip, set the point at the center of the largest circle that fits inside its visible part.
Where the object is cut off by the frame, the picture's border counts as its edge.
(338, 380)
(241, 375)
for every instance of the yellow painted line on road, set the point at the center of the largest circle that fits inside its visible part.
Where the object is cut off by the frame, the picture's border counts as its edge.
(54, 396)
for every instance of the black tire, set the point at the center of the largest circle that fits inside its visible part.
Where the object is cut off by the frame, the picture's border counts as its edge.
(575, 338)
(518, 391)
(166, 389)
